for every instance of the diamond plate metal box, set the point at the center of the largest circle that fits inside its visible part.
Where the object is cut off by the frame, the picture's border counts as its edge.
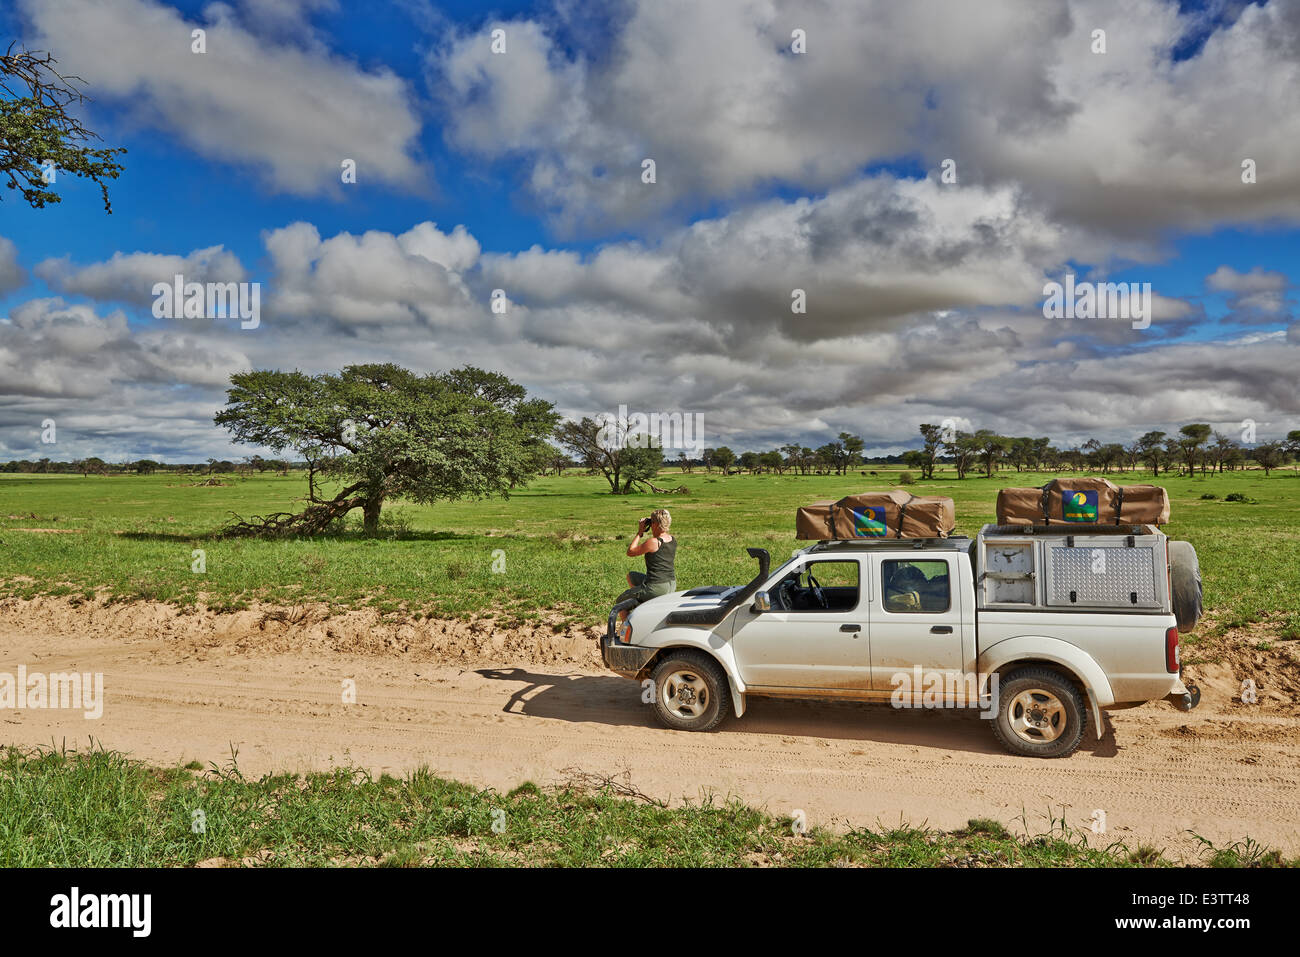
(1102, 573)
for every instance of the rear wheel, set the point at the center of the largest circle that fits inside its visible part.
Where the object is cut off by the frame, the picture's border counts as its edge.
(1040, 714)
(691, 691)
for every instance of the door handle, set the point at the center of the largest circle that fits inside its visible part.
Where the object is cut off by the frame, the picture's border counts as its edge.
(941, 630)
(850, 627)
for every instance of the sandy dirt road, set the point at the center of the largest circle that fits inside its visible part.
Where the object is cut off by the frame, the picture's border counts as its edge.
(1225, 771)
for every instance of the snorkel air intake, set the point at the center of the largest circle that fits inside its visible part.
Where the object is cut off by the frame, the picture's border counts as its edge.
(712, 616)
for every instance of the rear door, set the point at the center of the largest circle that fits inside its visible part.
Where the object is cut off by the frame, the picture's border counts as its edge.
(916, 617)
(810, 647)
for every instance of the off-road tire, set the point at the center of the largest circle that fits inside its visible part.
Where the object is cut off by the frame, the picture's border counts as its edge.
(686, 674)
(1185, 584)
(1042, 686)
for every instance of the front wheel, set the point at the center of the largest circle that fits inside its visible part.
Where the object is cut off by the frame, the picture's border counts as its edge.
(691, 692)
(1040, 714)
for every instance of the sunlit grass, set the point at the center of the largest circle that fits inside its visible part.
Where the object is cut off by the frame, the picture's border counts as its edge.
(562, 540)
(99, 809)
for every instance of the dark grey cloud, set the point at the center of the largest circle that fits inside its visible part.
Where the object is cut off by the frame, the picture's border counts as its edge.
(1124, 142)
(12, 275)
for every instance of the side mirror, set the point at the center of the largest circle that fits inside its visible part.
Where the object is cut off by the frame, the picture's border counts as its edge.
(761, 603)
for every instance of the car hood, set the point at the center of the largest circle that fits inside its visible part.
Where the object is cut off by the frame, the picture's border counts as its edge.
(708, 601)
(698, 607)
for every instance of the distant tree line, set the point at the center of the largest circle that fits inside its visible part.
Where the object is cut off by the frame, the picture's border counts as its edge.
(97, 466)
(1196, 446)
(607, 448)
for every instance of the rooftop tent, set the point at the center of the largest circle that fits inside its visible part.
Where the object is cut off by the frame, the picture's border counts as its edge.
(1083, 501)
(895, 514)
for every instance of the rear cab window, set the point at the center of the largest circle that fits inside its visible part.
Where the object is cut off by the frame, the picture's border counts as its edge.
(915, 586)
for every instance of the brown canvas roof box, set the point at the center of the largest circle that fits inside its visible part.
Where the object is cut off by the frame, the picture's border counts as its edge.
(1144, 505)
(813, 522)
(1083, 501)
(895, 514)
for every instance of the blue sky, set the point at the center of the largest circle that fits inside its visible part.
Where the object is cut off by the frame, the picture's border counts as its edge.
(775, 171)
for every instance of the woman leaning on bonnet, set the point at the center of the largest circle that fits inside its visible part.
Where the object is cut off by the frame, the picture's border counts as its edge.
(659, 549)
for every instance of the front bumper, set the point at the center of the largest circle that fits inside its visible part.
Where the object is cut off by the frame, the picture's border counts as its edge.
(626, 660)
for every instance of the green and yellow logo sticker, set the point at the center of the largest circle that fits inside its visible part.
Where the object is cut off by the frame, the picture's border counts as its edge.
(1079, 506)
(869, 522)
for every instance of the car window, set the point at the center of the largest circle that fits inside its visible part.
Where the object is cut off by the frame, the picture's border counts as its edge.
(837, 582)
(833, 574)
(915, 586)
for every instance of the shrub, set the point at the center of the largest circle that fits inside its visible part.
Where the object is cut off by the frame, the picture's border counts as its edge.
(395, 523)
(907, 478)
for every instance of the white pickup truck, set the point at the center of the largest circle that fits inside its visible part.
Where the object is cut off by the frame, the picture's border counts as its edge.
(1039, 628)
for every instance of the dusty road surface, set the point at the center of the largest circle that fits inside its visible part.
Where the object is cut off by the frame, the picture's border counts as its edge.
(179, 688)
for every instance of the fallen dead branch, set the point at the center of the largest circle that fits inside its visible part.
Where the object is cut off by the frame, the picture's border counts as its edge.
(576, 779)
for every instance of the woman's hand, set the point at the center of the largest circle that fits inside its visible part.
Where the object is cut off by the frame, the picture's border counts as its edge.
(640, 548)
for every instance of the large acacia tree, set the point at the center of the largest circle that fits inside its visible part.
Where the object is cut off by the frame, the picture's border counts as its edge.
(385, 433)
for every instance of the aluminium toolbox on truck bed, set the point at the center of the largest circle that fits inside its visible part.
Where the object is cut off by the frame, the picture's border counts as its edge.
(1116, 567)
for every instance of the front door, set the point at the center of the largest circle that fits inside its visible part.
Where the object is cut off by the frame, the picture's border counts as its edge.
(815, 635)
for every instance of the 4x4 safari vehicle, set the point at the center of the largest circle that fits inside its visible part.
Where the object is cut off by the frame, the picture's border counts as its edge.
(1041, 628)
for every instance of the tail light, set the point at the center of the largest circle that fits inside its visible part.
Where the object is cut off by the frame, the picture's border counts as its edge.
(1172, 664)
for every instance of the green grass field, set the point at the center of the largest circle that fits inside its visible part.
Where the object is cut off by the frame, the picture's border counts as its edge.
(98, 809)
(561, 541)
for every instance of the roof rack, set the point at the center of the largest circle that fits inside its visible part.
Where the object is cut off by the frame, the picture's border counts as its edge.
(954, 543)
(1070, 528)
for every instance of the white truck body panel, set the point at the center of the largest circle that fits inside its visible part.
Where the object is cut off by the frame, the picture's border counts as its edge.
(860, 646)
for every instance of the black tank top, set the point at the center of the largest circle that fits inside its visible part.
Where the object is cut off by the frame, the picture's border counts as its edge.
(659, 565)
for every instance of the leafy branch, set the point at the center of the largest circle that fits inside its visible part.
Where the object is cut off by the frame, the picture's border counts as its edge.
(38, 133)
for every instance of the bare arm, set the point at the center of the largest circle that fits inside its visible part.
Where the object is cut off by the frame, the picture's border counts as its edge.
(639, 547)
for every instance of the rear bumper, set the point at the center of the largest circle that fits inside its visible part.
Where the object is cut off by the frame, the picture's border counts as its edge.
(1184, 697)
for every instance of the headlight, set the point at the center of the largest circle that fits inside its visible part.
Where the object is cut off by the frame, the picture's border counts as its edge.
(623, 632)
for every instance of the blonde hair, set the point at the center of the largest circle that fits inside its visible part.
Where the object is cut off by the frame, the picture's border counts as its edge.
(661, 517)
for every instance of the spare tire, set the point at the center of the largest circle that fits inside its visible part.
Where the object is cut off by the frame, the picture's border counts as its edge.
(1185, 584)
